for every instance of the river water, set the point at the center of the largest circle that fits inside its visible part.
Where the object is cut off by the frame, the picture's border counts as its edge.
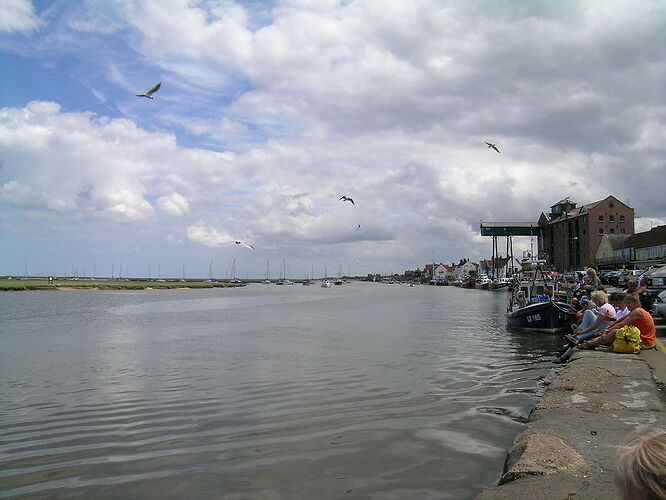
(365, 390)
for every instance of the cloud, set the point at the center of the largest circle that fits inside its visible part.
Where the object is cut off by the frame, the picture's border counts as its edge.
(173, 204)
(270, 112)
(207, 235)
(18, 16)
(110, 167)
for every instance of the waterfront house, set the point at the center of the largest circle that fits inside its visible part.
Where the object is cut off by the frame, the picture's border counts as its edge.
(444, 272)
(465, 269)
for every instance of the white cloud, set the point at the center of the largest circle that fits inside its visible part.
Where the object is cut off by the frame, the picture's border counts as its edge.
(642, 224)
(389, 103)
(207, 235)
(18, 15)
(81, 164)
(173, 204)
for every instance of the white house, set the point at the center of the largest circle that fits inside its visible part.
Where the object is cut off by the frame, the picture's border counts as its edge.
(465, 269)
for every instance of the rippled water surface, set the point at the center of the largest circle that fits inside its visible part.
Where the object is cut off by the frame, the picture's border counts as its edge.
(264, 392)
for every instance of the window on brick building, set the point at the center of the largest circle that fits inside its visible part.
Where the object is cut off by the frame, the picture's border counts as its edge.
(621, 218)
(612, 230)
(610, 204)
(611, 218)
(601, 230)
(601, 218)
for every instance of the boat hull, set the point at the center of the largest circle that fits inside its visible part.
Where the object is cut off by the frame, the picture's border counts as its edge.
(547, 317)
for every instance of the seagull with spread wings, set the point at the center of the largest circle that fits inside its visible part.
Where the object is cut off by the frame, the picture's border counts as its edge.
(347, 198)
(237, 242)
(490, 145)
(358, 227)
(150, 93)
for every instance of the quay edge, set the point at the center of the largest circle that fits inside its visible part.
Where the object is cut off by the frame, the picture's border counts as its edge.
(567, 449)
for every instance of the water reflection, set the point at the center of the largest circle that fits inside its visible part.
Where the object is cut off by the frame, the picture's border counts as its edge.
(262, 392)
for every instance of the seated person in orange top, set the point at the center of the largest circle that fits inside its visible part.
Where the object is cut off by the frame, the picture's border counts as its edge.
(637, 317)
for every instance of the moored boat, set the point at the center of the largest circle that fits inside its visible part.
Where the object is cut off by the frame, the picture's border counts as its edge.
(500, 284)
(533, 305)
(548, 317)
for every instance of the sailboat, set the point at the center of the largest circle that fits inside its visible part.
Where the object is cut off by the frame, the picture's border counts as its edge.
(267, 276)
(325, 283)
(233, 273)
(339, 280)
(284, 280)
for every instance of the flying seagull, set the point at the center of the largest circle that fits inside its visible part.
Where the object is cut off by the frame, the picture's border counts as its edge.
(150, 93)
(359, 227)
(237, 242)
(493, 146)
(347, 198)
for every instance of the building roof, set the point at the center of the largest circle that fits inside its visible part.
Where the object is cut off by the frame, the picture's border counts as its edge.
(652, 238)
(590, 206)
(565, 201)
(570, 214)
(617, 241)
(578, 211)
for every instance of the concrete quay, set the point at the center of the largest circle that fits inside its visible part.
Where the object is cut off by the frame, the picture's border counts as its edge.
(567, 449)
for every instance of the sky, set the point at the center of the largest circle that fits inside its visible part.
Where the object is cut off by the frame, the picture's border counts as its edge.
(269, 112)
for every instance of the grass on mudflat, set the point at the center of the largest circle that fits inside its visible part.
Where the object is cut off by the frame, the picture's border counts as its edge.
(90, 284)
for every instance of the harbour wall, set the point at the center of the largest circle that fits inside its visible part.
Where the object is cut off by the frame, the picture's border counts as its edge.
(567, 449)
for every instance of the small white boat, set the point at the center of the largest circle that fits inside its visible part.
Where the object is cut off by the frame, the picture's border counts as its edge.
(326, 284)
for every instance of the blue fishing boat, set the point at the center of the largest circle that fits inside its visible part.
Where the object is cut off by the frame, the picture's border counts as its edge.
(534, 305)
(549, 316)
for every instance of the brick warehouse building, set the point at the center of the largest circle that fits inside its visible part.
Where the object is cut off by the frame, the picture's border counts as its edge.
(570, 235)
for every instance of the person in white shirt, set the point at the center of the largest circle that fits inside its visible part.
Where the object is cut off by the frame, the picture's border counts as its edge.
(617, 301)
(592, 325)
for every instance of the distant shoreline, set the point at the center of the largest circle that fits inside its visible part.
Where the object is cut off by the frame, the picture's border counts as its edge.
(89, 284)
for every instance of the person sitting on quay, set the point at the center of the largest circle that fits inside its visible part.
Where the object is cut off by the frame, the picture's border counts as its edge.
(640, 289)
(637, 317)
(617, 300)
(591, 325)
(592, 282)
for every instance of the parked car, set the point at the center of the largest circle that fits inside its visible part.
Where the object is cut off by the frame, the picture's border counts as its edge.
(613, 277)
(603, 276)
(628, 274)
(659, 306)
(655, 277)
